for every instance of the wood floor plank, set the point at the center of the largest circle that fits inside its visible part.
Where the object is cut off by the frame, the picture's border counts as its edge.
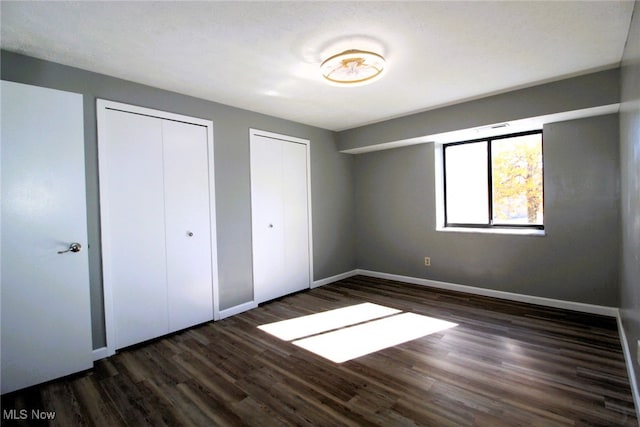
(505, 364)
(95, 402)
(60, 396)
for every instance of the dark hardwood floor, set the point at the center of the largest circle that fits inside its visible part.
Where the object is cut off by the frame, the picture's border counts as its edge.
(505, 364)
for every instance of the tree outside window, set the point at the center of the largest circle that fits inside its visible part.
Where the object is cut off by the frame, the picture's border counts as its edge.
(495, 182)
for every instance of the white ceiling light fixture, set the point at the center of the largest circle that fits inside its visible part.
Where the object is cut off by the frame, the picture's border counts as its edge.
(353, 68)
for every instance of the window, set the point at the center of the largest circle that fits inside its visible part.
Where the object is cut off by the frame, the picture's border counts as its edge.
(494, 182)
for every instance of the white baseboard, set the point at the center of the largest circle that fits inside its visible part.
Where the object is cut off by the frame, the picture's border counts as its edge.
(548, 302)
(240, 308)
(101, 353)
(326, 281)
(628, 359)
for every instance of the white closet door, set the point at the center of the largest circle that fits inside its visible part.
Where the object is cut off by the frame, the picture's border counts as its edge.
(295, 217)
(188, 233)
(280, 220)
(45, 313)
(132, 206)
(157, 206)
(266, 217)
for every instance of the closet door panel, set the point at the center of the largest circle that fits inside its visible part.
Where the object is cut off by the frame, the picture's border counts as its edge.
(267, 215)
(296, 243)
(133, 227)
(188, 232)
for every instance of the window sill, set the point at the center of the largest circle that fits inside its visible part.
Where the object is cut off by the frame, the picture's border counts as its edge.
(510, 231)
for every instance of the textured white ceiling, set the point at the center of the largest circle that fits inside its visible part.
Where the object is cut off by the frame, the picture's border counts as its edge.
(265, 56)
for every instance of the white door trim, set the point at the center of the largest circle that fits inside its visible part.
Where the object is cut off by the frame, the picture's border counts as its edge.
(257, 132)
(102, 106)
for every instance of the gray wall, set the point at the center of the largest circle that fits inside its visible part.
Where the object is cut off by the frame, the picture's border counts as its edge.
(592, 90)
(630, 184)
(331, 176)
(576, 261)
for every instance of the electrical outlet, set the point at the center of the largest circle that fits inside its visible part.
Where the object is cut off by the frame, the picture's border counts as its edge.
(427, 261)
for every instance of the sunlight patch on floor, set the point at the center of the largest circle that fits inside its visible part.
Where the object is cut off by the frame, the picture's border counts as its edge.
(326, 321)
(355, 341)
(351, 332)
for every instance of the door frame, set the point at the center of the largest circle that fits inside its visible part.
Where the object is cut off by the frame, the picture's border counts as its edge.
(307, 143)
(102, 105)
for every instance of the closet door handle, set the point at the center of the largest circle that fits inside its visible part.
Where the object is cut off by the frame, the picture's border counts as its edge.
(189, 233)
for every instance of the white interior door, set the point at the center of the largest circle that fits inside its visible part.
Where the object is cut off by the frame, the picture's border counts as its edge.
(188, 235)
(280, 216)
(46, 321)
(132, 214)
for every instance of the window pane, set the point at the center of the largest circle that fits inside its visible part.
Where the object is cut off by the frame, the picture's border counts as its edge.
(516, 167)
(466, 183)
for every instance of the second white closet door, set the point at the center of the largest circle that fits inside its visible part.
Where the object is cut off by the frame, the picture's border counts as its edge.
(280, 219)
